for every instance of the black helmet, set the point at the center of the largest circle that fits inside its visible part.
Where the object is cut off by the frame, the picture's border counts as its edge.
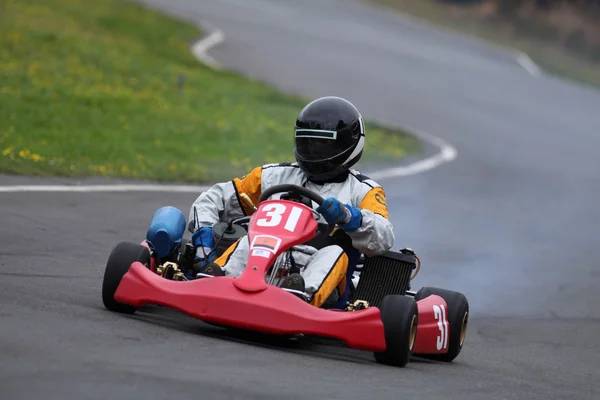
(329, 137)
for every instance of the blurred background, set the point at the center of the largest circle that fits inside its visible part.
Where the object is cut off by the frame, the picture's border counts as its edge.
(563, 36)
(482, 127)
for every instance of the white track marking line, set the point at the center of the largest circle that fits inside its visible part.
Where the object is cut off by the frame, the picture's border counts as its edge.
(446, 154)
(104, 188)
(201, 47)
(528, 64)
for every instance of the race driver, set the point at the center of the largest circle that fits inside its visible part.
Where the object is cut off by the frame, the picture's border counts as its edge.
(329, 140)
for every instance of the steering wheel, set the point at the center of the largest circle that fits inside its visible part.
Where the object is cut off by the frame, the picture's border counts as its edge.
(290, 188)
(324, 228)
(300, 190)
(280, 189)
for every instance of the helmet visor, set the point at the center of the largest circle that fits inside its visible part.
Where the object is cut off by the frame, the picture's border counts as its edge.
(315, 145)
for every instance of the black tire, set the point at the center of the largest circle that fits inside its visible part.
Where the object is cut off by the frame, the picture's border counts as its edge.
(458, 317)
(119, 261)
(400, 318)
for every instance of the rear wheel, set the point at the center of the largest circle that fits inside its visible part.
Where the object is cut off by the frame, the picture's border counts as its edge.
(458, 317)
(119, 261)
(400, 317)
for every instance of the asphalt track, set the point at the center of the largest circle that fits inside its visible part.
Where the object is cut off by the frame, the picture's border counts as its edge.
(513, 223)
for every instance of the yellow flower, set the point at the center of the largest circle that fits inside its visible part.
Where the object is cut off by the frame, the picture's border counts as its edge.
(24, 153)
(36, 157)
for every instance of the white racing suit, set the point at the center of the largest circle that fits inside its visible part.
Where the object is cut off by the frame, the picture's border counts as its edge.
(323, 270)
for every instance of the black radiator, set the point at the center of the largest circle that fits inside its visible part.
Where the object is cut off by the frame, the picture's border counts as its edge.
(384, 275)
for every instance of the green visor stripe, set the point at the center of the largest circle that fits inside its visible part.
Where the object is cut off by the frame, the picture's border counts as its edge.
(316, 134)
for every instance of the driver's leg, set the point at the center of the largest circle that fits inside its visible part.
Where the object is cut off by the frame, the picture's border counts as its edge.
(233, 260)
(324, 272)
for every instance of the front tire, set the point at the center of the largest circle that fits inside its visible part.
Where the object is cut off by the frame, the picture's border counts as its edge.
(400, 318)
(458, 317)
(119, 261)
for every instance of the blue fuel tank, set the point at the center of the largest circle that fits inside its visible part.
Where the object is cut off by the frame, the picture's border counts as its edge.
(166, 230)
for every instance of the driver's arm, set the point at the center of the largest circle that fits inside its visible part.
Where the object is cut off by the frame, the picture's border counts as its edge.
(222, 201)
(375, 235)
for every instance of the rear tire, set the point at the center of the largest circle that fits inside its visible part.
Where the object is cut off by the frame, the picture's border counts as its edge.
(400, 318)
(458, 317)
(119, 261)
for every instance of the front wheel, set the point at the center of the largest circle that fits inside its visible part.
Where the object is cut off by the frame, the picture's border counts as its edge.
(400, 317)
(119, 261)
(458, 317)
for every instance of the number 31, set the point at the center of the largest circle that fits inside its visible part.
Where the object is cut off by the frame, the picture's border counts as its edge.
(274, 213)
(440, 315)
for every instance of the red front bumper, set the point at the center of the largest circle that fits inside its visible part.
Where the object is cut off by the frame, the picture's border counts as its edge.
(272, 310)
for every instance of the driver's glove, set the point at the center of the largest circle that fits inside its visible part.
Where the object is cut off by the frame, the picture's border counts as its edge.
(348, 217)
(204, 242)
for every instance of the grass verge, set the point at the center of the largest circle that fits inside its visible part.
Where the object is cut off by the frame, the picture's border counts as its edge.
(109, 88)
(552, 57)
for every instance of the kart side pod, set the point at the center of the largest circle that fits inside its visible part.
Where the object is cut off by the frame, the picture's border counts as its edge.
(433, 331)
(166, 230)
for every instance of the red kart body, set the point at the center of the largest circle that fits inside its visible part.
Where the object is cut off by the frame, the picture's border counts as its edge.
(248, 302)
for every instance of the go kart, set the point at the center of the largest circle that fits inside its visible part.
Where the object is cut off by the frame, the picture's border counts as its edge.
(378, 312)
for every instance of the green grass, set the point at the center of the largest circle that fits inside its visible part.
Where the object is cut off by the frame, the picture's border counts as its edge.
(539, 44)
(109, 88)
